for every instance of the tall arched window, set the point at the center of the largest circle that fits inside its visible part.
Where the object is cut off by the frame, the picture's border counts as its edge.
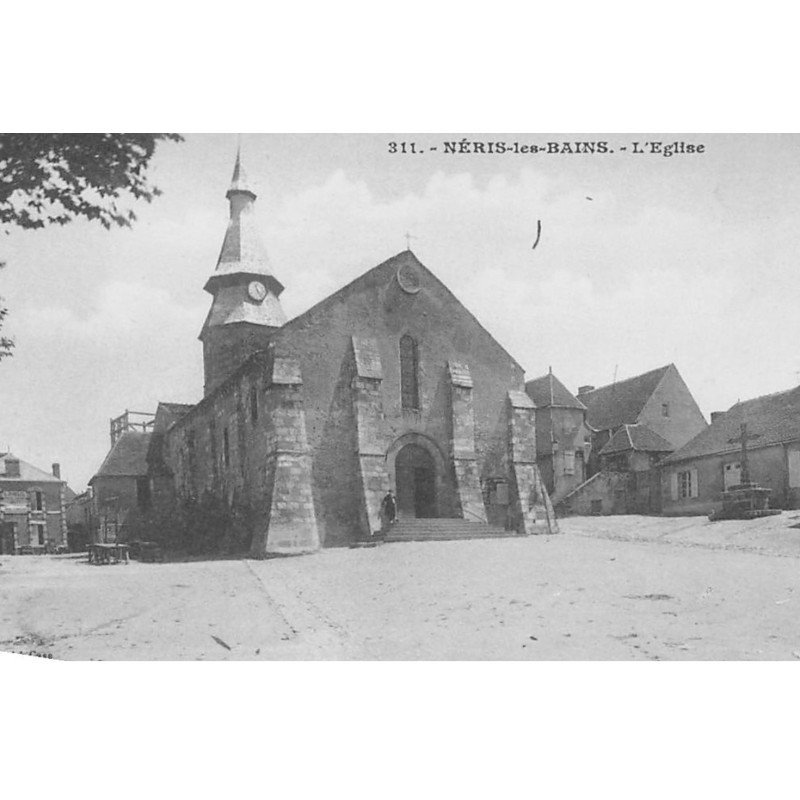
(409, 373)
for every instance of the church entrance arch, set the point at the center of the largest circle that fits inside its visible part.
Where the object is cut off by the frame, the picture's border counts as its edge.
(415, 476)
(417, 466)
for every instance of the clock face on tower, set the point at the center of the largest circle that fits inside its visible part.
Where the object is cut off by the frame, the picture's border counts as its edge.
(257, 291)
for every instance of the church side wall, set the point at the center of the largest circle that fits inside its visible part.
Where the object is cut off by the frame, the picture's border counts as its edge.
(195, 446)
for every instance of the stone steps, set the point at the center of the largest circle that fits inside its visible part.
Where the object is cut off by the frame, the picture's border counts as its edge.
(439, 529)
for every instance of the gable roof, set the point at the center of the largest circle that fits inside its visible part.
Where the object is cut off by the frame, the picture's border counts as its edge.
(27, 472)
(548, 390)
(774, 418)
(636, 437)
(127, 458)
(391, 265)
(621, 403)
(169, 413)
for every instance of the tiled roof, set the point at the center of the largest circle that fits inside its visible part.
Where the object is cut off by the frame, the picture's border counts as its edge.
(774, 418)
(127, 458)
(636, 437)
(27, 472)
(621, 403)
(549, 391)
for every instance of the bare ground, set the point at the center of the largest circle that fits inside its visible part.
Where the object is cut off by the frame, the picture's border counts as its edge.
(606, 588)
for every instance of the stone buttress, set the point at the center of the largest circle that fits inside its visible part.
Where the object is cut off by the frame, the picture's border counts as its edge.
(371, 437)
(462, 444)
(291, 522)
(529, 501)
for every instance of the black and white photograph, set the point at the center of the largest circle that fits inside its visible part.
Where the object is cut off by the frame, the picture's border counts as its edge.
(416, 416)
(400, 397)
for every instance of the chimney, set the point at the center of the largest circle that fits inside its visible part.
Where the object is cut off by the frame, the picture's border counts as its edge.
(584, 389)
(12, 468)
(715, 415)
(57, 471)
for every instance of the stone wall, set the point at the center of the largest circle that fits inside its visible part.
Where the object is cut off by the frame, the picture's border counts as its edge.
(531, 508)
(227, 347)
(604, 493)
(246, 444)
(375, 308)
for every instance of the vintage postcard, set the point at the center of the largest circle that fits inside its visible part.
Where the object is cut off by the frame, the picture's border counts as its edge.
(396, 397)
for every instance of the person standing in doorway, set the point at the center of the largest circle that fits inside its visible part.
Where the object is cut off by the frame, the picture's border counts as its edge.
(389, 508)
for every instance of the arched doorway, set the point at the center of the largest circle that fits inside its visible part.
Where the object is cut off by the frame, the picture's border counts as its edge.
(415, 478)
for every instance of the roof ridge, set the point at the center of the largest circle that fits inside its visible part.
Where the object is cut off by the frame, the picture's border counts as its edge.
(341, 291)
(632, 378)
(761, 397)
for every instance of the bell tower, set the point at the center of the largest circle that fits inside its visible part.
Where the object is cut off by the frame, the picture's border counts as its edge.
(245, 309)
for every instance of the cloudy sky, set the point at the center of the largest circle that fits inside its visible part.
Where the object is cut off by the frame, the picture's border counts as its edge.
(643, 260)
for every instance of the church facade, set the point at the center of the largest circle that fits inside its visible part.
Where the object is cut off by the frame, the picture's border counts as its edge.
(388, 384)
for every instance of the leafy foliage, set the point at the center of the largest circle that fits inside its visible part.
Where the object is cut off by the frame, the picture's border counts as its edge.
(6, 344)
(196, 527)
(58, 177)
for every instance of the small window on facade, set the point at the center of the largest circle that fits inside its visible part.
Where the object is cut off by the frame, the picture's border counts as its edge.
(569, 462)
(226, 448)
(254, 403)
(212, 436)
(38, 534)
(665, 409)
(685, 488)
(597, 506)
(39, 503)
(409, 373)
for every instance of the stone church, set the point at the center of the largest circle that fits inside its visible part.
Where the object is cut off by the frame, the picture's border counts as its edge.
(387, 384)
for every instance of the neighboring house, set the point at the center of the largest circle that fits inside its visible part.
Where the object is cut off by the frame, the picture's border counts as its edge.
(637, 451)
(694, 477)
(563, 441)
(635, 423)
(32, 507)
(134, 479)
(658, 400)
(121, 486)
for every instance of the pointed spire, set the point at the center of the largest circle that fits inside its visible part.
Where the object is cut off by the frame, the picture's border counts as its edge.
(239, 182)
(243, 253)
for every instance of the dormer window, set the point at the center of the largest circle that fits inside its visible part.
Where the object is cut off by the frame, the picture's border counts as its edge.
(665, 409)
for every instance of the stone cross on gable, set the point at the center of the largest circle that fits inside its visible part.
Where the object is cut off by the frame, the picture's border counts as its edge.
(743, 438)
(409, 237)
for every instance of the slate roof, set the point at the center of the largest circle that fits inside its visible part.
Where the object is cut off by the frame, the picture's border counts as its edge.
(27, 472)
(636, 437)
(243, 250)
(549, 391)
(127, 458)
(775, 418)
(621, 403)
